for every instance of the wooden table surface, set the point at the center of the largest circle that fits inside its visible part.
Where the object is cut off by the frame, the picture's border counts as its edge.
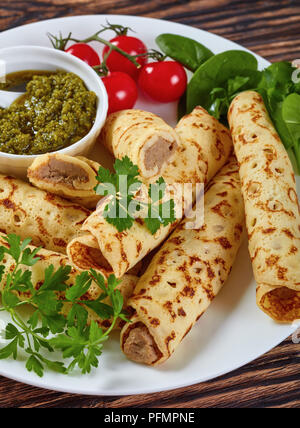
(270, 28)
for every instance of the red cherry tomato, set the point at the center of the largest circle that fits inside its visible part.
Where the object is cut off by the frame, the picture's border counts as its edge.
(84, 52)
(122, 91)
(130, 45)
(163, 81)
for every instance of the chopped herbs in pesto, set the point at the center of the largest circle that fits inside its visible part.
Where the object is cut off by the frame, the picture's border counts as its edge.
(56, 111)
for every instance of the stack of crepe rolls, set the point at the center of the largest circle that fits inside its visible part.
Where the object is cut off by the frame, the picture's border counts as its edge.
(120, 251)
(73, 178)
(186, 274)
(271, 205)
(148, 141)
(50, 221)
(48, 258)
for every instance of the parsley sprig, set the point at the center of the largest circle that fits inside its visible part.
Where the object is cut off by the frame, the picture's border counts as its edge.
(47, 329)
(123, 206)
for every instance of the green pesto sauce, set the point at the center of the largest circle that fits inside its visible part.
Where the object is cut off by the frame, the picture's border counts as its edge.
(56, 111)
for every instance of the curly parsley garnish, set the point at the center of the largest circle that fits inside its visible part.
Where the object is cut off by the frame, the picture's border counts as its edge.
(47, 329)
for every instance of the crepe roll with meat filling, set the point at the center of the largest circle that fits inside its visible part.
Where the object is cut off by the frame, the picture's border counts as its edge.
(73, 178)
(271, 205)
(50, 221)
(148, 141)
(48, 258)
(120, 251)
(186, 274)
(85, 255)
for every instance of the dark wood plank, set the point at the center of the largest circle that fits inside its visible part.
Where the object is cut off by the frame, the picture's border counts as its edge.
(272, 29)
(270, 381)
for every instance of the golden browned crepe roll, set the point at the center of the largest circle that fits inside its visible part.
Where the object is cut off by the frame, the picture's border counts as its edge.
(120, 251)
(73, 178)
(50, 221)
(271, 205)
(104, 248)
(193, 160)
(148, 141)
(48, 258)
(186, 274)
(84, 253)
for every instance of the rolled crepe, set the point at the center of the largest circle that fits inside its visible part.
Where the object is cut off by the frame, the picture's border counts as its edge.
(195, 160)
(73, 178)
(120, 251)
(271, 205)
(85, 254)
(186, 274)
(48, 258)
(50, 221)
(145, 138)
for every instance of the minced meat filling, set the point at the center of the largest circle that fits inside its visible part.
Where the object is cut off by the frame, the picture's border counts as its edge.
(159, 153)
(139, 345)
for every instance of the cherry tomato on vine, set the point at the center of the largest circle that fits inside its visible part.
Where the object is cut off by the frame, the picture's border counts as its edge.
(122, 91)
(85, 52)
(163, 81)
(130, 45)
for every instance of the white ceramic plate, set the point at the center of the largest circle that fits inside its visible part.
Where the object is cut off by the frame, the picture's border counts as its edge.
(232, 332)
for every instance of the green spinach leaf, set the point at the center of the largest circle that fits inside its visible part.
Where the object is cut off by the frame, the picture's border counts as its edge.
(215, 73)
(275, 86)
(221, 97)
(291, 118)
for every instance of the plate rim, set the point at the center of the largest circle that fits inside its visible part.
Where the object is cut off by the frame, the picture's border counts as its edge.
(142, 392)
